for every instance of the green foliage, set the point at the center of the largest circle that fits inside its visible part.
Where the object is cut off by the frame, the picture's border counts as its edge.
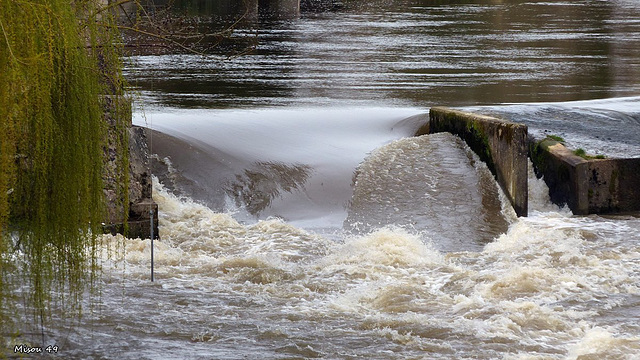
(56, 60)
(556, 138)
(583, 154)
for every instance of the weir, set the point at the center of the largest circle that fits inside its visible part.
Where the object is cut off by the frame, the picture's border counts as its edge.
(587, 186)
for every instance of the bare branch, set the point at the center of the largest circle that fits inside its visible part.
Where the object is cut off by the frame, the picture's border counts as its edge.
(162, 37)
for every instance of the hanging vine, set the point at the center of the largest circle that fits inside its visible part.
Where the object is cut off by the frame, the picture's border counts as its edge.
(58, 58)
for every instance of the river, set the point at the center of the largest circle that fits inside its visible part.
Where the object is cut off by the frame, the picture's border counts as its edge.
(299, 217)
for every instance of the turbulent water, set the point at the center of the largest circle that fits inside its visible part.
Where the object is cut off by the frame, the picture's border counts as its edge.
(554, 286)
(392, 247)
(300, 218)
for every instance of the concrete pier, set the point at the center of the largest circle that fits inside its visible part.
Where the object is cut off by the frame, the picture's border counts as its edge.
(587, 186)
(501, 144)
(252, 10)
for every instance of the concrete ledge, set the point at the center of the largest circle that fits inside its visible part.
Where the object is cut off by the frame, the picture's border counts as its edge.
(501, 144)
(595, 186)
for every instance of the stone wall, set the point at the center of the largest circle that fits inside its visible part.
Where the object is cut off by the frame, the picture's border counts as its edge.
(140, 202)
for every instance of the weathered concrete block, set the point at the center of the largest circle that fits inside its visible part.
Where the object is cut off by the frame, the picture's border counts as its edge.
(501, 144)
(614, 185)
(594, 186)
(564, 173)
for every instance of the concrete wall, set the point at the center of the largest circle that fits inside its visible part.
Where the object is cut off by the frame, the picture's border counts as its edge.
(595, 186)
(501, 144)
(587, 186)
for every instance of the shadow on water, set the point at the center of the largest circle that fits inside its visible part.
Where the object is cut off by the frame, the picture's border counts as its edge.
(256, 188)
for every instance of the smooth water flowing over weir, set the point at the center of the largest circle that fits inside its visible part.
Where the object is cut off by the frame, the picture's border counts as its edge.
(434, 184)
(296, 164)
(300, 165)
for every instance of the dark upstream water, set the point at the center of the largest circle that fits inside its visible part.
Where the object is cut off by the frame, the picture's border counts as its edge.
(415, 53)
(300, 218)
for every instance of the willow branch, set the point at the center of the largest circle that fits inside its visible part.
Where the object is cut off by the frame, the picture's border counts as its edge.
(6, 39)
(127, 14)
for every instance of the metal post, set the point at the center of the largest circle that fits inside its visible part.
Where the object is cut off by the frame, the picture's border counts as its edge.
(151, 222)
